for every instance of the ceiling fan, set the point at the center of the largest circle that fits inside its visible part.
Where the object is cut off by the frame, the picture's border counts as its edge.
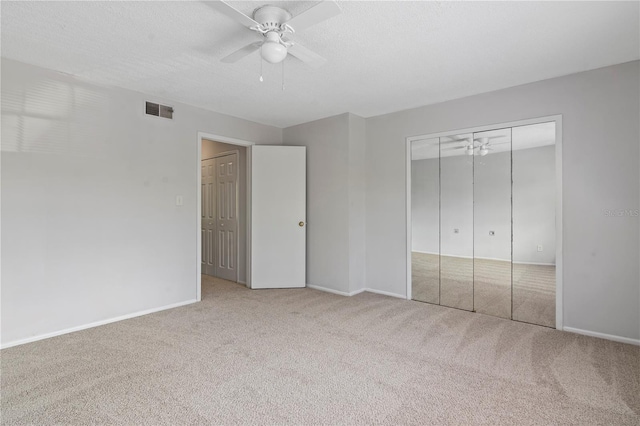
(482, 144)
(275, 25)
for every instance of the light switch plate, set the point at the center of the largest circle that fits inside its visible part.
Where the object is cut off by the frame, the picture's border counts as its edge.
(539, 247)
(179, 200)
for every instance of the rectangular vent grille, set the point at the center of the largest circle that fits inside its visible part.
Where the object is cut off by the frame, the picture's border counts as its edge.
(159, 110)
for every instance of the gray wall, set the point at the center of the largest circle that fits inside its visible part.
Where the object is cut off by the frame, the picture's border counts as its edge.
(357, 189)
(209, 150)
(327, 143)
(492, 206)
(90, 226)
(534, 202)
(425, 205)
(600, 173)
(534, 215)
(335, 200)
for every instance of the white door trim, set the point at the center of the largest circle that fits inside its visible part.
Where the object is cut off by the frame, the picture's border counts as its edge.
(559, 254)
(231, 141)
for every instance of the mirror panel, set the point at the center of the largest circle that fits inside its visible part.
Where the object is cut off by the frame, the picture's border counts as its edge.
(534, 231)
(456, 221)
(425, 220)
(492, 222)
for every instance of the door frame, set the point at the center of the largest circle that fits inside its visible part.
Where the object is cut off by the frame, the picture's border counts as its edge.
(559, 251)
(230, 141)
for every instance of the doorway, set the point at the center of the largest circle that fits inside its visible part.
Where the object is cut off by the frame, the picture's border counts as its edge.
(223, 210)
(271, 213)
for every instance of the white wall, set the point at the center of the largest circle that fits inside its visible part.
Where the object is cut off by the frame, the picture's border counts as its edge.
(335, 200)
(209, 150)
(90, 226)
(600, 172)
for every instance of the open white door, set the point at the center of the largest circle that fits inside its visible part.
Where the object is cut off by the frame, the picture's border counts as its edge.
(278, 216)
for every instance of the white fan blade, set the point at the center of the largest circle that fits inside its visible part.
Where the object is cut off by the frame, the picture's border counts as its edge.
(307, 56)
(241, 53)
(318, 13)
(231, 12)
(465, 140)
(490, 137)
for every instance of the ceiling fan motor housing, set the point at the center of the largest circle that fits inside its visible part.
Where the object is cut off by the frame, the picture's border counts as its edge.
(271, 18)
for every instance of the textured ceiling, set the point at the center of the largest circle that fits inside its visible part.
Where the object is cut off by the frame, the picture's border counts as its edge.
(381, 56)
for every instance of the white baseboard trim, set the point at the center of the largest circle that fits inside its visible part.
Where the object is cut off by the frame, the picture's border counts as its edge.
(338, 292)
(94, 324)
(484, 258)
(386, 293)
(603, 336)
(353, 293)
(534, 263)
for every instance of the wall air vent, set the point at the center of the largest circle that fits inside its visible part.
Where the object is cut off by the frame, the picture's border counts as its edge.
(159, 110)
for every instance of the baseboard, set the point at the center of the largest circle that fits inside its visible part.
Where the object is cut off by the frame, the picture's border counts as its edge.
(603, 336)
(353, 293)
(338, 292)
(386, 293)
(95, 324)
(534, 263)
(485, 258)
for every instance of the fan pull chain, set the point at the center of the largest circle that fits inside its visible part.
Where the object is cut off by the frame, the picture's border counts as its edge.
(283, 75)
(261, 60)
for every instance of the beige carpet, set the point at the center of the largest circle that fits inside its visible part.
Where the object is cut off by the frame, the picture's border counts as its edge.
(485, 286)
(306, 357)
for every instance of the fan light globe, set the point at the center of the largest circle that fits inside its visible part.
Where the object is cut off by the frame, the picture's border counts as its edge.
(484, 151)
(273, 52)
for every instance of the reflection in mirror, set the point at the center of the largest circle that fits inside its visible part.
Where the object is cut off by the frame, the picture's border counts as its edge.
(534, 235)
(492, 222)
(456, 221)
(425, 220)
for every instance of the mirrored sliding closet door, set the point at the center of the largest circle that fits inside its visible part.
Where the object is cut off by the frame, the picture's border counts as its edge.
(456, 223)
(492, 222)
(483, 222)
(425, 196)
(534, 224)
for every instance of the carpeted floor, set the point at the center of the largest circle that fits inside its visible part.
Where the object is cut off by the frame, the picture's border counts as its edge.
(485, 286)
(301, 356)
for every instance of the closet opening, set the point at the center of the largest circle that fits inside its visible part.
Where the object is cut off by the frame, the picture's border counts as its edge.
(484, 220)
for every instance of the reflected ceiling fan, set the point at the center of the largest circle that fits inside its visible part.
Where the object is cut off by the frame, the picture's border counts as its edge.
(275, 25)
(482, 144)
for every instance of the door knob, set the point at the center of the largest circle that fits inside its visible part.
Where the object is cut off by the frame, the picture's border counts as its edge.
(300, 223)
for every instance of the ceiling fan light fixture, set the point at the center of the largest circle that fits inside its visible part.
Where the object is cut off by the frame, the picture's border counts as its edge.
(272, 50)
(483, 151)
